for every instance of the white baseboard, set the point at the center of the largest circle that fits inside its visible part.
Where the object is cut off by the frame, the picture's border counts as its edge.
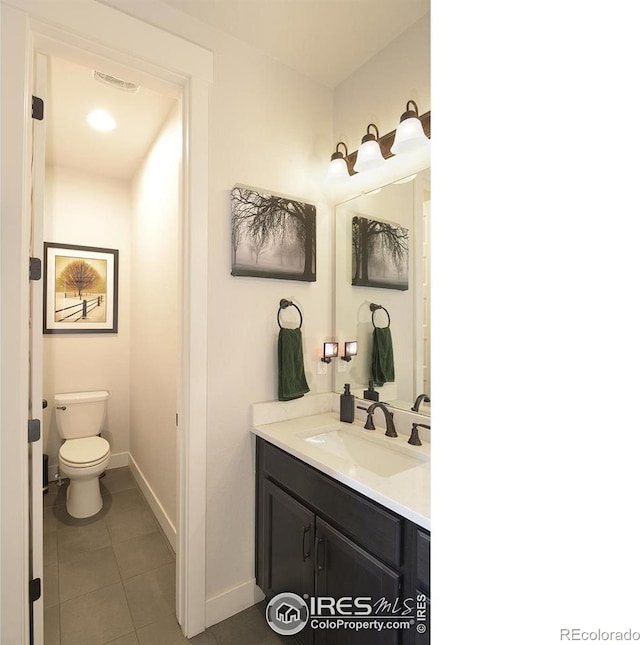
(118, 460)
(231, 601)
(163, 519)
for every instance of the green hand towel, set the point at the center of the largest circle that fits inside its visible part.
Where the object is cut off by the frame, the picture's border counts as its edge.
(382, 369)
(292, 383)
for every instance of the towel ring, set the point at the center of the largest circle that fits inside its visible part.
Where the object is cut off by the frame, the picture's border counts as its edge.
(283, 305)
(373, 307)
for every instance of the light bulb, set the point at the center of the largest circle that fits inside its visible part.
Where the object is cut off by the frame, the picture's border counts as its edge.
(101, 120)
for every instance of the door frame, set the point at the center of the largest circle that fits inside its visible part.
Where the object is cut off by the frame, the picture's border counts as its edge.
(99, 30)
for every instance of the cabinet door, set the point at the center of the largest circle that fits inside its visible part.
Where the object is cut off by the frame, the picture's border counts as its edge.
(287, 547)
(344, 569)
(423, 560)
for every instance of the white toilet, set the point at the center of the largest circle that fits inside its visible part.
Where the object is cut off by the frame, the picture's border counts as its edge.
(83, 456)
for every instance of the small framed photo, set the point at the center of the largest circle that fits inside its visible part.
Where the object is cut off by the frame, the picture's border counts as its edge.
(80, 289)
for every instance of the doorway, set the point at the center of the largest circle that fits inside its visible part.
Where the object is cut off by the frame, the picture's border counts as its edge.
(102, 33)
(112, 187)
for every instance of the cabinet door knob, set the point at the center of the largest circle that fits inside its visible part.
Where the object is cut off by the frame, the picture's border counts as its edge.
(305, 554)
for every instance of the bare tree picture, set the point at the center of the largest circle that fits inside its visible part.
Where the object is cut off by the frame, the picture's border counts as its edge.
(81, 289)
(79, 275)
(272, 236)
(380, 253)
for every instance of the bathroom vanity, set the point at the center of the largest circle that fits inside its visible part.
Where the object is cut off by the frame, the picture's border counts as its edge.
(342, 512)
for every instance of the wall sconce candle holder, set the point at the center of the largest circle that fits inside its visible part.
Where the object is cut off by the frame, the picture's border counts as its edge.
(350, 350)
(329, 351)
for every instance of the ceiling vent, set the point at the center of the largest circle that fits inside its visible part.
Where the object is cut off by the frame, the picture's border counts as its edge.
(118, 83)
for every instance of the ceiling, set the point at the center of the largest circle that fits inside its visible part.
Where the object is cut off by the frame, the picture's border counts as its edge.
(72, 142)
(327, 40)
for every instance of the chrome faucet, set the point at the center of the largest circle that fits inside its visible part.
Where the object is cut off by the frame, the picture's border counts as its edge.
(419, 400)
(388, 417)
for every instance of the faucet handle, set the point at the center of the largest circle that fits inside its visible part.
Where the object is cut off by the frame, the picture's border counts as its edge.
(414, 440)
(369, 422)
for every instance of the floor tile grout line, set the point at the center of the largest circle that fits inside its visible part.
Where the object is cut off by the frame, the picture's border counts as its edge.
(124, 588)
(144, 573)
(59, 596)
(133, 622)
(111, 545)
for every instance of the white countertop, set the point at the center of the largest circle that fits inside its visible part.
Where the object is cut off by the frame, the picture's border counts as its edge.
(406, 492)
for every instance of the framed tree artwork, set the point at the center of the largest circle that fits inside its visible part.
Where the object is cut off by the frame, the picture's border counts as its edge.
(380, 254)
(80, 289)
(272, 236)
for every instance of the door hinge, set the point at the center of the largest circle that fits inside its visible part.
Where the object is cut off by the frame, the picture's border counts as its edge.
(33, 430)
(176, 418)
(35, 589)
(37, 108)
(35, 268)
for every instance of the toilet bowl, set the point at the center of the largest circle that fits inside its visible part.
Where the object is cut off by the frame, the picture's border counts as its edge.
(83, 461)
(84, 455)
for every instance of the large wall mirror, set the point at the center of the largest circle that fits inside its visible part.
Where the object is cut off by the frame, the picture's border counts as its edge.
(372, 233)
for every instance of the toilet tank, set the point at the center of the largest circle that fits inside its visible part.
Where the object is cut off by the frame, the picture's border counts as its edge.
(80, 414)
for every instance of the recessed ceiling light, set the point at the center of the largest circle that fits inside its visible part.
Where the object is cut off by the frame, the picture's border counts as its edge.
(101, 120)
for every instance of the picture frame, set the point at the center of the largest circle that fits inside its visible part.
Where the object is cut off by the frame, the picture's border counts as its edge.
(272, 235)
(380, 254)
(80, 289)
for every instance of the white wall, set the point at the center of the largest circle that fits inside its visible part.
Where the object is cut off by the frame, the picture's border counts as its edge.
(84, 209)
(154, 315)
(379, 90)
(270, 128)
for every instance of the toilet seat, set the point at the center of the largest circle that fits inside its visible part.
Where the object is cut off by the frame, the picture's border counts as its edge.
(84, 452)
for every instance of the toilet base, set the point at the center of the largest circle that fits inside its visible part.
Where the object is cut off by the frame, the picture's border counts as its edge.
(83, 497)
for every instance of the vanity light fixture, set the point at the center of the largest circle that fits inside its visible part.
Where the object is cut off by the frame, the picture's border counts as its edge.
(410, 134)
(337, 171)
(350, 350)
(369, 154)
(330, 350)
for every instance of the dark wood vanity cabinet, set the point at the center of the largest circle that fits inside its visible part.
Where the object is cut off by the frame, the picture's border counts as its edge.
(318, 537)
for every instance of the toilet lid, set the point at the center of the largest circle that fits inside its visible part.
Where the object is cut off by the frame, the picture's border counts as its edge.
(85, 450)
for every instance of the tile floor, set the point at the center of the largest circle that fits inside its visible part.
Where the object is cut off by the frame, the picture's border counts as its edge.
(111, 578)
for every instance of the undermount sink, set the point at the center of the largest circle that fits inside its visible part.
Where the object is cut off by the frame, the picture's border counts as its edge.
(364, 452)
